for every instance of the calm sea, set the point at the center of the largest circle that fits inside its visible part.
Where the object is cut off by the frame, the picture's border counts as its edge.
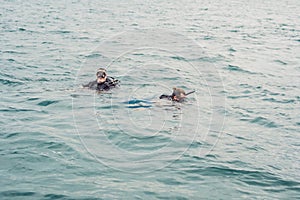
(236, 137)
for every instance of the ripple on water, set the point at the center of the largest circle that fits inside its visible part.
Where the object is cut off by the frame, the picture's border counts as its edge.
(16, 193)
(10, 82)
(280, 62)
(47, 103)
(264, 121)
(236, 68)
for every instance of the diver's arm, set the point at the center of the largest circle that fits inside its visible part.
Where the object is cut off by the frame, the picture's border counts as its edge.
(112, 81)
(91, 85)
(164, 96)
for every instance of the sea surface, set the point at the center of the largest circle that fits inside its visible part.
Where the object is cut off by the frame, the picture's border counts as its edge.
(236, 137)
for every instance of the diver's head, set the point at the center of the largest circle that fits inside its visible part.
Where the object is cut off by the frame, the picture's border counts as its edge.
(101, 75)
(178, 94)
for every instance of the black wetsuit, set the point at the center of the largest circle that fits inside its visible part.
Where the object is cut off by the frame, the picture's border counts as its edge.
(164, 96)
(173, 95)
(107, 85)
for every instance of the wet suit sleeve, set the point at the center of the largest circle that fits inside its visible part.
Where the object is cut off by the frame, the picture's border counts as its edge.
(91, 85)
(112, 82)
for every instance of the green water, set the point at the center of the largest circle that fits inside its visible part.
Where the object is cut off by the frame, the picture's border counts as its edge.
(236, 137)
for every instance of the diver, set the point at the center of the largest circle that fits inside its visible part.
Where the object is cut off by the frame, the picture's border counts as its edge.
(178, 95)
(103, 82)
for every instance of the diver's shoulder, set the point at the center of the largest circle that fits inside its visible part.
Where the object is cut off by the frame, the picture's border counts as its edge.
(91, 85)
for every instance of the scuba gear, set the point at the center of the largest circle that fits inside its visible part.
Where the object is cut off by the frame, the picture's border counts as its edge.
(177, 95)
(103, 82)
